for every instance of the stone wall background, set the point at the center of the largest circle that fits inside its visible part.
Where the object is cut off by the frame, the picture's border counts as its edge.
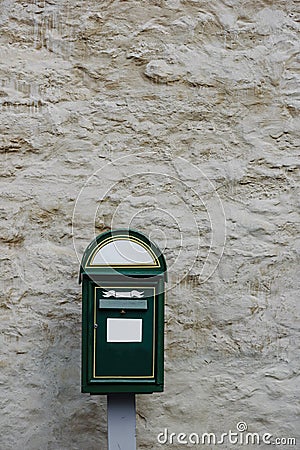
(151, 97)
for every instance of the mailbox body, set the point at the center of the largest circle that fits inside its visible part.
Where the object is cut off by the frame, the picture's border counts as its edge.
(123, 322)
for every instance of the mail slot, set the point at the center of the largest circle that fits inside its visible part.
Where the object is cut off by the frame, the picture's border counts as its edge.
(122, 304)
(123, 277)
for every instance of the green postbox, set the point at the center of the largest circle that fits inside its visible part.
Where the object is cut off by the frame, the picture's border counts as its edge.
(123, 277)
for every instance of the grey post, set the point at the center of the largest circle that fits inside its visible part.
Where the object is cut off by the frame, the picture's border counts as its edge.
(121, 418)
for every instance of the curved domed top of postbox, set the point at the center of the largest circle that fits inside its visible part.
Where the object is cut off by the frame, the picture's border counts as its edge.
(127, 252)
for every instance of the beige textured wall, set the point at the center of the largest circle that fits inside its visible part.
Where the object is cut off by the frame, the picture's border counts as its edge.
(175, 109)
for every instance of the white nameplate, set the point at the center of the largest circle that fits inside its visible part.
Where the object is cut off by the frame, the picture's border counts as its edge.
(124, 330)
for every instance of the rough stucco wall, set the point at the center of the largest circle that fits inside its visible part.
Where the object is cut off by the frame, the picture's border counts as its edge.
(214, 83)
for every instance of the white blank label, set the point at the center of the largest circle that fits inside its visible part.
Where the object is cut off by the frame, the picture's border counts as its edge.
(124, 330)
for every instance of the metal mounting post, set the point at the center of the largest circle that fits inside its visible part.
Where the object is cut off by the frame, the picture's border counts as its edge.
(121, 420)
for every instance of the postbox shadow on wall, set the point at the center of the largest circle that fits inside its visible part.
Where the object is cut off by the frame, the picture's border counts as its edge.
(123, 277)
